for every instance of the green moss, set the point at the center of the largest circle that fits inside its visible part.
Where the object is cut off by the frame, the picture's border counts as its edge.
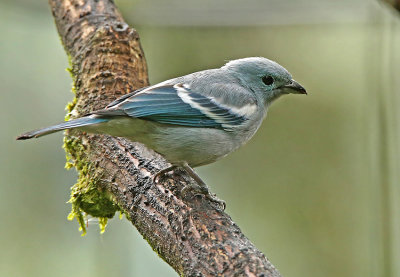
(86, 196)
(71, 105)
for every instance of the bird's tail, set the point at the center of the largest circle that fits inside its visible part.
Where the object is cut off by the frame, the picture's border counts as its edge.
(75, 123)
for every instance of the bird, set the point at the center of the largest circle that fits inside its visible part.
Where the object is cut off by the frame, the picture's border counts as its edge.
(192, 120)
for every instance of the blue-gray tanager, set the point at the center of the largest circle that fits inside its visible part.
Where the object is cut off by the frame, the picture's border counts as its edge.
(195, 119)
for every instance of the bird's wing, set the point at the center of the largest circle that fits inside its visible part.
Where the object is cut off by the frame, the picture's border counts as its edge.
(124, 97)
(179, 105)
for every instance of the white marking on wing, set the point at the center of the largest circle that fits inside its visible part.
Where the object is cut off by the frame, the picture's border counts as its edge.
(146, 90)
(183, 94)
(244, 111)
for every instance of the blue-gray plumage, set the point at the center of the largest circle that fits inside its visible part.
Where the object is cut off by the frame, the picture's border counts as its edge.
(195, 119)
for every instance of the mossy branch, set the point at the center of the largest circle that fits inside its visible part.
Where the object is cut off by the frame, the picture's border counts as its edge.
(189, 232)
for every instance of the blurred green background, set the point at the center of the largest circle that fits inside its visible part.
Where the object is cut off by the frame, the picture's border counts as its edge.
(316, 189)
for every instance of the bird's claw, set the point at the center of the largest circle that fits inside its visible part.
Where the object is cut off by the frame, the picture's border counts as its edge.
(200, 187)
(213, 198)
(161, 174)
(203, 191)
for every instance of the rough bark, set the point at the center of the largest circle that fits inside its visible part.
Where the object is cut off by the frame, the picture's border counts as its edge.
(195, 236)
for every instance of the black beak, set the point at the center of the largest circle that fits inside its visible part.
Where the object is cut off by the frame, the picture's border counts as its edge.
(295, 87)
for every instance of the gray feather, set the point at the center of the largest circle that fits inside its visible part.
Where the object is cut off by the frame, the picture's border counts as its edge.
(75, 123)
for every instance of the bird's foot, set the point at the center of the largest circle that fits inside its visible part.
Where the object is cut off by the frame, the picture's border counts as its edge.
(201, 187)
(161, 174)
(201, 190)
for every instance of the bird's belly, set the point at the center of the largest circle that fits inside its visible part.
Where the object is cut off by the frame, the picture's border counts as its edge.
(178, 144)
(192, 145)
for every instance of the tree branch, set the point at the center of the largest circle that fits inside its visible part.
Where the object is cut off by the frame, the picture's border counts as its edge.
(189, 232)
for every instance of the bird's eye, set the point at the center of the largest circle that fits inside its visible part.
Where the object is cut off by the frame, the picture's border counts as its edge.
(268, 80)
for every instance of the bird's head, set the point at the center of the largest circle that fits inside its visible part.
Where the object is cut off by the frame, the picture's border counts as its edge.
(266, 78)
